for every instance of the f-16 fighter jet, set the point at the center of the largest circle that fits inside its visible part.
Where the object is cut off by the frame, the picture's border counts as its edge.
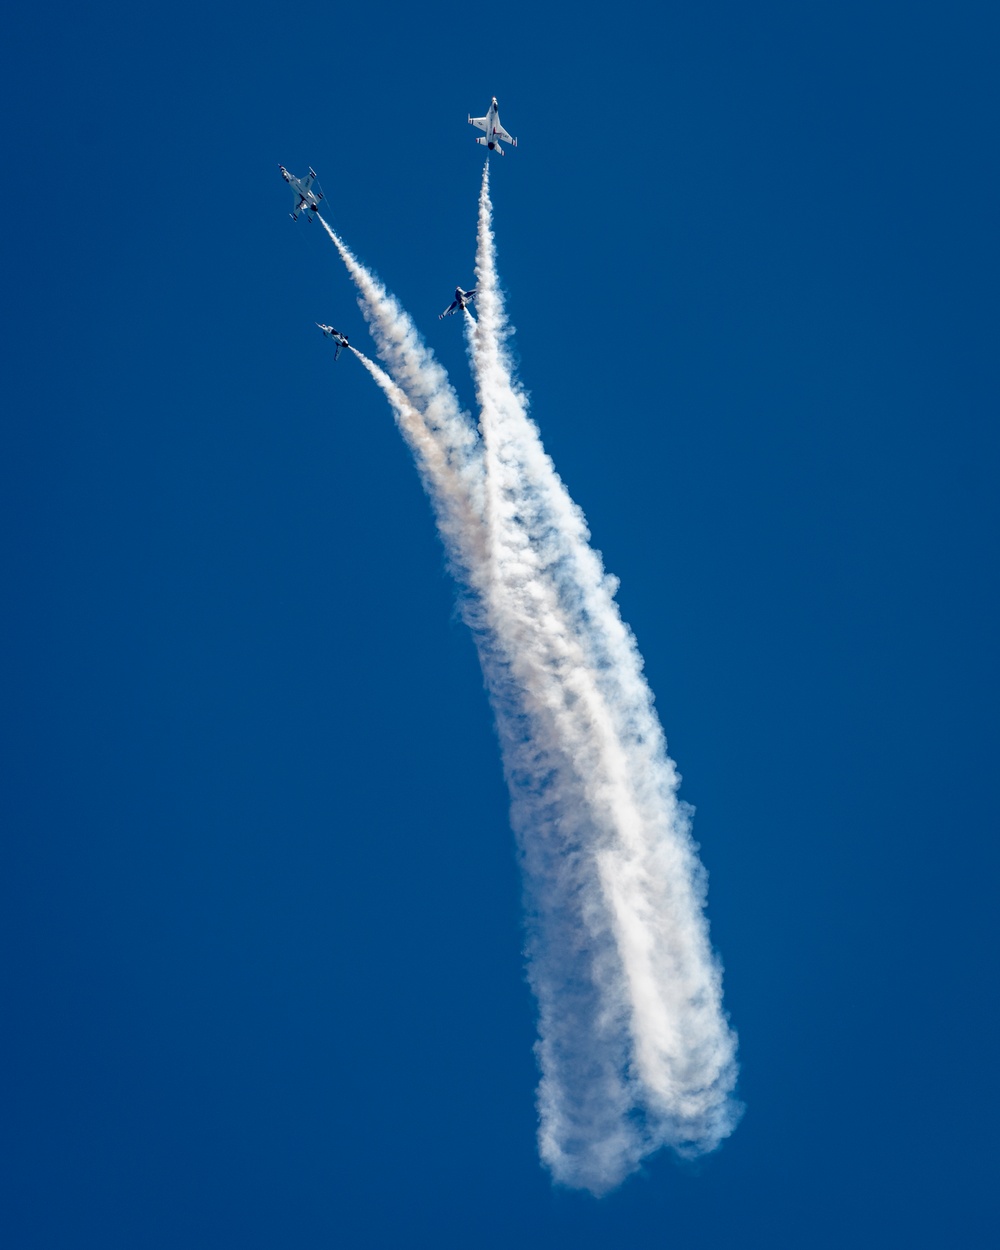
(494, 131)
(461, 299)
(340, 339)
(305, 197)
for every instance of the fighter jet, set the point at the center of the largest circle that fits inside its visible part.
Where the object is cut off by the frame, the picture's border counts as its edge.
(340, 339)
(494, 131)
(305, 197)
(461, 299)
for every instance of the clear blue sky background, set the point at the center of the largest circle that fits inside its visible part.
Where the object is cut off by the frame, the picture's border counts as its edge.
(263, 983)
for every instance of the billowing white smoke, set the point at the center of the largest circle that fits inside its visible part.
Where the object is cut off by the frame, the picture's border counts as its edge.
(634, 1047)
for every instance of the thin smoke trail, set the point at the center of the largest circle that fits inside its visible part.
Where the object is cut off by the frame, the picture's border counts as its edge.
(442, 437)
(416, 372)
(459, 525)
(410, 361)
(634, 1047)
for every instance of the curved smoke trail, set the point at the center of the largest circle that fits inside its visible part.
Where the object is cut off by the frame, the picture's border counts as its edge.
(455, 485)
(448, 489)
(634, 1047)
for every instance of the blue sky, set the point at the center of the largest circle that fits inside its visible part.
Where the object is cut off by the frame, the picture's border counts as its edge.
(264, 976)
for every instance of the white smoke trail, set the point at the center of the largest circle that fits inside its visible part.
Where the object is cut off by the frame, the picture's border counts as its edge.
(460, 526)
(634, 1047)
(425, 384)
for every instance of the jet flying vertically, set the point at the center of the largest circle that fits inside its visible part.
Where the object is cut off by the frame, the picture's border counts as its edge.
(494, 131)
(340, 339)
(305, 197)
(461, 299)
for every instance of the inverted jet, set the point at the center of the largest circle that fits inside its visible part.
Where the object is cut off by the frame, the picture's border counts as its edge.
(340, 339)
(461, 299)
(305, 197)
(494, 131)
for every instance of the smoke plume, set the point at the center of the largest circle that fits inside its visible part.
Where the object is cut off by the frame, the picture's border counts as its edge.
(634, 1048)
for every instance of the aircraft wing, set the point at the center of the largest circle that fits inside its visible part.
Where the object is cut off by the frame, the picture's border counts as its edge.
(336, 354)
(450, 309)
(308, 180)
(500, 133)
(478, 122)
